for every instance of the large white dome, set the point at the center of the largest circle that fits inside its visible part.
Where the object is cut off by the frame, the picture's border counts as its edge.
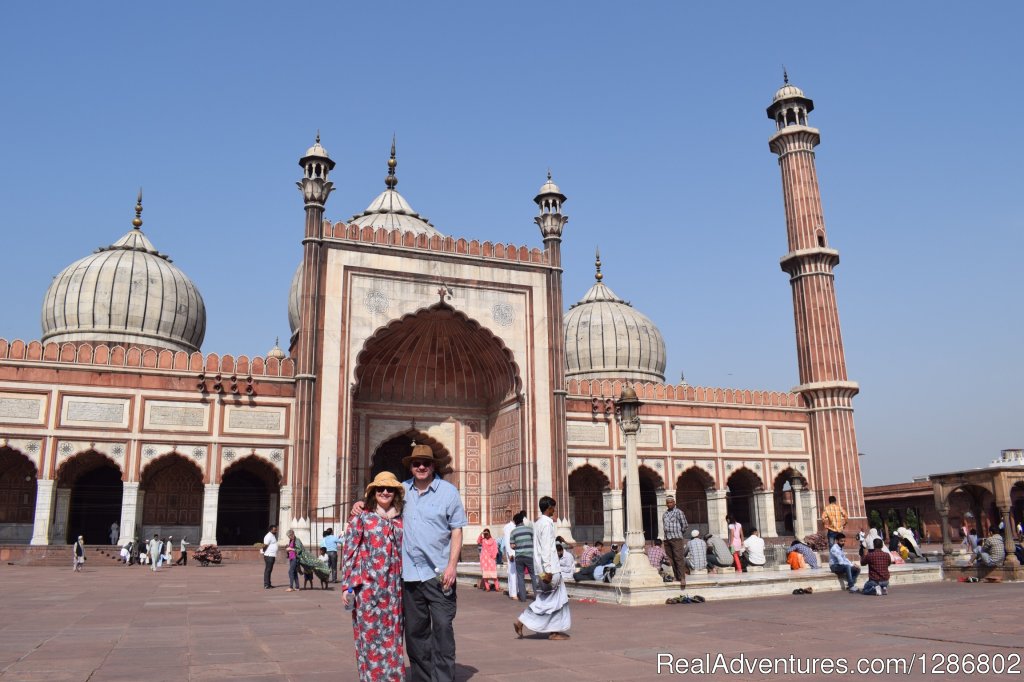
(125, 293)
(606, 338)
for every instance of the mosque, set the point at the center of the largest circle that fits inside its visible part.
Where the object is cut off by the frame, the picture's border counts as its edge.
(401, 333)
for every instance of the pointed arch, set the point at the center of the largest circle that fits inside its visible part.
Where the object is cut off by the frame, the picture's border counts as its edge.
(587, 484)
(96, 487)
(436, 356)
(389, 454)
(691, 489)
(174, 495)
(18, 475)
(244, 508)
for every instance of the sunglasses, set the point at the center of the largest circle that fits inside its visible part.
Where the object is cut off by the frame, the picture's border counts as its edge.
(422, 464)
(389, 491)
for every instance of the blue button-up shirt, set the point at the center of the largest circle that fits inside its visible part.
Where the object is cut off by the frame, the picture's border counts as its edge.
(330, 543)
(428, 520)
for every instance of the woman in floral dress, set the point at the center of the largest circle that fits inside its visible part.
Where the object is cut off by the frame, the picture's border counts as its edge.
(373, 571)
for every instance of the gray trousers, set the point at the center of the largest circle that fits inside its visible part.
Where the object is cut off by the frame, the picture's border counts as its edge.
(429, 633)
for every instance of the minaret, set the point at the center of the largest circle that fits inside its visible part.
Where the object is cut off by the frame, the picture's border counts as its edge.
(315, 188)
(551, 222)
(819, 344)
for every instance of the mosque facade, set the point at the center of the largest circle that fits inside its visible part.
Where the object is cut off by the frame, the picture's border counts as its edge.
(401, 333)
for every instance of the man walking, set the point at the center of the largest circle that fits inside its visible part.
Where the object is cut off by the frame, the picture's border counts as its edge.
(433, 520)
(549, 612)
(834, 519)
(269, 553)
(674, 523)
(522, 541)
(183, 558)
(154, 551)
(510, 556)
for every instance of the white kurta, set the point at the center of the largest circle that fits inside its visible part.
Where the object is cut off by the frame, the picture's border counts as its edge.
(510, 561)
(549, 612)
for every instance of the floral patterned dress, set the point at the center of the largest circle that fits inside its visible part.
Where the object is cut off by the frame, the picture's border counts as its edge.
(373, 568)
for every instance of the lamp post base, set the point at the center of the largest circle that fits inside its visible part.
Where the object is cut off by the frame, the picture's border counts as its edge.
(638, 572)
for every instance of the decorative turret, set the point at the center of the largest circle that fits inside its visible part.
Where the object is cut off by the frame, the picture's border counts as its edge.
(550, 220)
(316, 166)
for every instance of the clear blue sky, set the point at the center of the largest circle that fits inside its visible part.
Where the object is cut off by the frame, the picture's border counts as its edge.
(651, 116)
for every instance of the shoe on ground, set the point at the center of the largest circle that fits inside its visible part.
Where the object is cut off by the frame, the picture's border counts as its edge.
(853, 590)
(885, 591)
(558, 635)
(878, 590)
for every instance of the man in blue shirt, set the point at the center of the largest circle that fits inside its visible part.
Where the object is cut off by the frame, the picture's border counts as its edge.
(433, 519)
(330, 543)
(842, 566)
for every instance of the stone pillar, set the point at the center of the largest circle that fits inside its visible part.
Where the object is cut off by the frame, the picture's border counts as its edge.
(60, 516)
(716, 512)
(764, 506)
(947, 543)
(612, 516)
(662, 508)
(130, 509)
(798, 508)
(284, 517)
(1011, 557)
(211, 496)
(44, 512)
(138, 514)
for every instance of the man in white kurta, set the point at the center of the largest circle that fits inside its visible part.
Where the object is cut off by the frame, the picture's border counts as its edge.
(549, 612)
(510, 559)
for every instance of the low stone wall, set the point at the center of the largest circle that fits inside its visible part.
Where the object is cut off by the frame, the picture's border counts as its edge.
(726, 585)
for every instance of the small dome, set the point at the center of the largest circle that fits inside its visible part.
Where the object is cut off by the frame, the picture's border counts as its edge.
(548, 188)
(606, 338)
(276, 351)
(788, 91)
(125, 293)
(391, 211)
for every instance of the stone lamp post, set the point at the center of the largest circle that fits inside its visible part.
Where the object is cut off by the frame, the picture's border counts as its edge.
(637, 571)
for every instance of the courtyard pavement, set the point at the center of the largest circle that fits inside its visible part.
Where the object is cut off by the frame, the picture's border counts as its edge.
(216, 623)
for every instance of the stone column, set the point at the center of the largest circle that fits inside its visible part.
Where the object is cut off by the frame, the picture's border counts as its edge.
(612, 516)
(764, 505)
(273, 509)
(947, 543)
(284, 516)
(662, 508)
(44, 512)
(716, 512)
(60, 516)
(637, 571)
(130, 510)
(211, 496)
(798, 508)
(1011, 557)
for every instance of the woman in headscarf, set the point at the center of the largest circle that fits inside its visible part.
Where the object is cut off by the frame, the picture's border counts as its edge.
(488, 560)
(372, 579)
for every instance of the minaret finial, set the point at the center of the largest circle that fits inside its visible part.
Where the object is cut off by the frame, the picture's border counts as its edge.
(597, 263)
(391, 180)
(318, 136)
(137, 222)
(549, 175)
(785, 75)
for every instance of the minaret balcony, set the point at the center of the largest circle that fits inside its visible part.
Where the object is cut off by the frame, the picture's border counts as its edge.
(819, 260)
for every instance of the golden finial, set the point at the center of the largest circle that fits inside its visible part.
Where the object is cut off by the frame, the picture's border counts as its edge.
(597, 262)
(390, 181)
(137, 222)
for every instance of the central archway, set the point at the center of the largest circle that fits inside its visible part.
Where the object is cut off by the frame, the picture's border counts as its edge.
(95, 504)
(173, 503)
(441, 369)
(243, 507)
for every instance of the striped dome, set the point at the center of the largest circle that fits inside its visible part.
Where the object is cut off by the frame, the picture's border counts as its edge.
(606, 338)
(125, 293)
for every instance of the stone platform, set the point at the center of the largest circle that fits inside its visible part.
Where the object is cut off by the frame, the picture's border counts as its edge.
(725, 585)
